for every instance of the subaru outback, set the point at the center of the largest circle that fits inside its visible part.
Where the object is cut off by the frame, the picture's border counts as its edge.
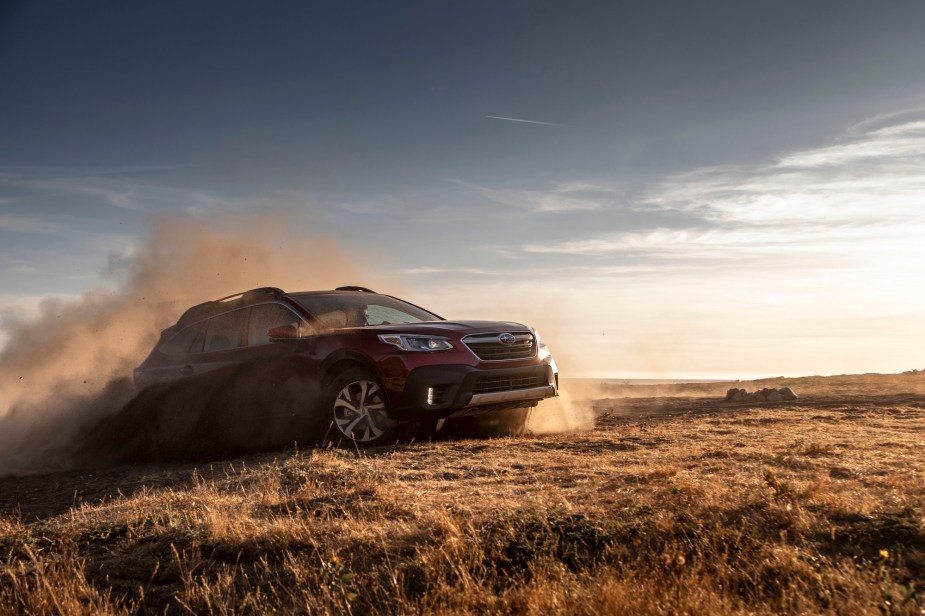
(372, 367)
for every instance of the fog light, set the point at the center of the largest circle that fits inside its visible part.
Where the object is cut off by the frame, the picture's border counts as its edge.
(430, 395)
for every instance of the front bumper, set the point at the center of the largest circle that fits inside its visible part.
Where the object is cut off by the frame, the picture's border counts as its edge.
(455, 390)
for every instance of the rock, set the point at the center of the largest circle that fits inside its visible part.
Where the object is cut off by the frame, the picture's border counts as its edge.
(735, 395)
(767, 394)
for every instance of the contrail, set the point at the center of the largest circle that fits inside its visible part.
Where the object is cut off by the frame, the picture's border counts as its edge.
(525, 121)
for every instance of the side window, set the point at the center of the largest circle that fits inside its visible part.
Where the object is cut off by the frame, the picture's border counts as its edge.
(200, 339)
(182, 343)
(226, 331)
(264, 318)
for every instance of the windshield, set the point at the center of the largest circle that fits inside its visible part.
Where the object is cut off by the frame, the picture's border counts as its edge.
(360, 309)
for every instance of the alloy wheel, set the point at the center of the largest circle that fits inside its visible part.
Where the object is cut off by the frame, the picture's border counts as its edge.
(359, 411)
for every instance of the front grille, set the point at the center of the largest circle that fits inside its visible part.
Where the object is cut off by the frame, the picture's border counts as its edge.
(490, 384)
(489, 347)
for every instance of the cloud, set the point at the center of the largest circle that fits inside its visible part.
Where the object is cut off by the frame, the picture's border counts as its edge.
(699, 243)
(571, 196)
(32, 224)
(886, 144)
(66, 226)
(113, 193)
(477, 271)
(874, 177)
(415, 207)
(864, 195)
(885, 119)
(538, 272)
(113, 188)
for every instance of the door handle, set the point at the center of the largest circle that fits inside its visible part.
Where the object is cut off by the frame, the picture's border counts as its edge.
(186, 370)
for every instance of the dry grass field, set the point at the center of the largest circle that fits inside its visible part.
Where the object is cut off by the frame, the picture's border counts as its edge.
(676, 502)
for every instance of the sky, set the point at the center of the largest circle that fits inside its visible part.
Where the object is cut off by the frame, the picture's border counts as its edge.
(670, 189)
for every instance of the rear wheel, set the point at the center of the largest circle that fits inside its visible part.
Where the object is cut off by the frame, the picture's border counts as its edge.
(356, 406)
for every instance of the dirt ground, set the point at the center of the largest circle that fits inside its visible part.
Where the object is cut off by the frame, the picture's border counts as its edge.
(836, 477)
(682, 413)
(617, 408)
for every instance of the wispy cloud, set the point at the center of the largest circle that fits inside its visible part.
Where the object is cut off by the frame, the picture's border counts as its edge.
(115, 194)
(421, 208)
(15, 223)
(476, 271)
(15, 265)
(892, 118)
(862, 195)
(113, 188)
(891, 143)
(560, 197)
(544, 271)
(699, 243)
(492, 117)
(876, 176)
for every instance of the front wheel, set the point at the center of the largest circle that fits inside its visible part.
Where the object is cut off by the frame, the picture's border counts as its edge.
(356, 407)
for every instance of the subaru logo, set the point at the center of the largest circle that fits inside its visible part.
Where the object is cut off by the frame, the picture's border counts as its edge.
(506, 338)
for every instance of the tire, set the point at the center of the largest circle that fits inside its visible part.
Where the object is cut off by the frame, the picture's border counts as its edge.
(356, 410)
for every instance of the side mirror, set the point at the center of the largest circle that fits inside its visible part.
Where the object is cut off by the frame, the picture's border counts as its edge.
(283, 332)
(288, 332)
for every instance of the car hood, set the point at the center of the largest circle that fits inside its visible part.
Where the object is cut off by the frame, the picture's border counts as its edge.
(447, 328)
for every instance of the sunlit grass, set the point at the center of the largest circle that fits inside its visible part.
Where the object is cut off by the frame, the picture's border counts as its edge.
(768, 510)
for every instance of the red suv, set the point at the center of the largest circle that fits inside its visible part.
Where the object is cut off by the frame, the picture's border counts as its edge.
(369, 367)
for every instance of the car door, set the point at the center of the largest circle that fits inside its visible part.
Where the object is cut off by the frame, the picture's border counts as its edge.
(220, 343)
(279, 375)
(171, 359)
(264, 317)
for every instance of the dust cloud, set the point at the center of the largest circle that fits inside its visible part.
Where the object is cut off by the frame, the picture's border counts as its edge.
(65, 369)
(566, 413)
(68, 368)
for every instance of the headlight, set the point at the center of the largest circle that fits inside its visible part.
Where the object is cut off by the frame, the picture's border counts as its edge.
(542, 350)
(408, 342)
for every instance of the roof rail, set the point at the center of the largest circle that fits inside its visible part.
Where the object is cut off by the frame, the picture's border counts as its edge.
(206, 308)
(252, 294)
(358, 289)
